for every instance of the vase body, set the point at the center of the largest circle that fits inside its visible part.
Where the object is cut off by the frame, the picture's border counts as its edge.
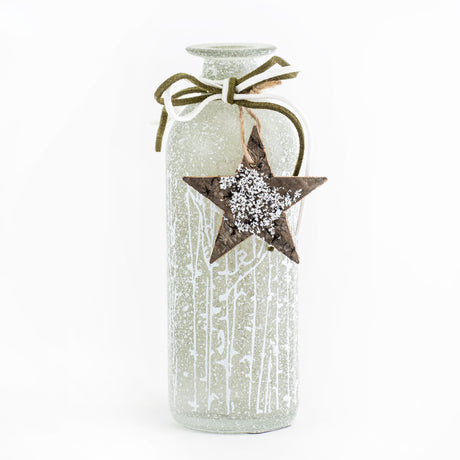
(233, 323)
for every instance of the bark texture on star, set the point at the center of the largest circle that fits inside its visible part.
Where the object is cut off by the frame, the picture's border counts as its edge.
(279, 235)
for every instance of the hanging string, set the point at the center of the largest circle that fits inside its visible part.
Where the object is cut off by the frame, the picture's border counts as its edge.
(255, 90)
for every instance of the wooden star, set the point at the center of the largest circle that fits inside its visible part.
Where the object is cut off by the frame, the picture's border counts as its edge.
(254, 202)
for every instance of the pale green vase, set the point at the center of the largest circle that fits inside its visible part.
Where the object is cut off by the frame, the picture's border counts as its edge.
(232, 324)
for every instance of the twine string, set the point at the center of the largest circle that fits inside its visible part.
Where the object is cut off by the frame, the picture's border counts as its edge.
(255, 90)
(244, 147)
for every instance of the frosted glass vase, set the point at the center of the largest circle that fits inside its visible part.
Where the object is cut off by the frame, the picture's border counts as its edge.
(233, 323)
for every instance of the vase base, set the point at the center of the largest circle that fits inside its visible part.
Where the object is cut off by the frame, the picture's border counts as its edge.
(233, 426)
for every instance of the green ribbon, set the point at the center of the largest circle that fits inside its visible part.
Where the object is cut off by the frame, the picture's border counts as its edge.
(200, 91)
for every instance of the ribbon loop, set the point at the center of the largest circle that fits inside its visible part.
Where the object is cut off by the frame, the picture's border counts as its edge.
(240, 91)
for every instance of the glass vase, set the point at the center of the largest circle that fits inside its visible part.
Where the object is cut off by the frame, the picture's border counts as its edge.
(233, 323)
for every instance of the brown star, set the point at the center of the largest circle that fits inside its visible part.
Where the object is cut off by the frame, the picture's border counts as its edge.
(254, 202)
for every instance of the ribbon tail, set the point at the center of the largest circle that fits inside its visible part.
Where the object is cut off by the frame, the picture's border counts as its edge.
(161, 130)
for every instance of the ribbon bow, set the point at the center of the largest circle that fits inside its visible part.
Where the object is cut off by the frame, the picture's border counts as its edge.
(240, 91)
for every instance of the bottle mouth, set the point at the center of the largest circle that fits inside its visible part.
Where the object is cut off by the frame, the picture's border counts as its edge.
(230, 50)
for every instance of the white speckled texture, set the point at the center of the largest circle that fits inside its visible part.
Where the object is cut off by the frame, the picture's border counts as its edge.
(255, 206)
(232, 324)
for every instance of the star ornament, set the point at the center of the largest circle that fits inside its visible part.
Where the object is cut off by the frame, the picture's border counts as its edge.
(254, 202)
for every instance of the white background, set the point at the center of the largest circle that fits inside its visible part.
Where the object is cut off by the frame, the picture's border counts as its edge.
(83, 348)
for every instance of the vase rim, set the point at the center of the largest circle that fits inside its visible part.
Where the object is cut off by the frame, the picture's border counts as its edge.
(230, 50)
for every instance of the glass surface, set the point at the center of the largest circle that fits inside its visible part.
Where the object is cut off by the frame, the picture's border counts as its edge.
(232, 324)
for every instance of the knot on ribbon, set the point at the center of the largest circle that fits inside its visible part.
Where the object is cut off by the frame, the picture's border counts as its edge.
(243, 91)
(228, 90)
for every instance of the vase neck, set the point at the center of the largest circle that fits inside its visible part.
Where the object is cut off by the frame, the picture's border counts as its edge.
(225, 60)
(218, 69)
